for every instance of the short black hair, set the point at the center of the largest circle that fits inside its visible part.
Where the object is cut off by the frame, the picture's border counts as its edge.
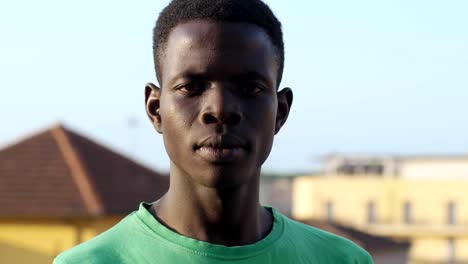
(250, 11)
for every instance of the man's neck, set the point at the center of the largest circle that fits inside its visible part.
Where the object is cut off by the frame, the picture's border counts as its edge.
(230, 216)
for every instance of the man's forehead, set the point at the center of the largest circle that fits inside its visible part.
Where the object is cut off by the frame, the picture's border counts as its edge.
(216, 34)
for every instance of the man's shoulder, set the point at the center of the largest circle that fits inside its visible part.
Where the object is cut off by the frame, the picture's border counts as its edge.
(328, 244)
(103, 248)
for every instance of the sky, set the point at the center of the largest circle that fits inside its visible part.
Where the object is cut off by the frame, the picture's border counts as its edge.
(369, 77)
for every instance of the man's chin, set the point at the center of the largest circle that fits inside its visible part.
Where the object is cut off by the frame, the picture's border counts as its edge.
(221, 176)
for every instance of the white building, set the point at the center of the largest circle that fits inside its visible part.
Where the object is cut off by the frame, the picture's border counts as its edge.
(406, 167)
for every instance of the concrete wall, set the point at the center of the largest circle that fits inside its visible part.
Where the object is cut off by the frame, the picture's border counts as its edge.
(277, 192)
(395, 256)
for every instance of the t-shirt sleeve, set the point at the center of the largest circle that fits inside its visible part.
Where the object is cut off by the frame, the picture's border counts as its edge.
(58, 260)
(366, 259)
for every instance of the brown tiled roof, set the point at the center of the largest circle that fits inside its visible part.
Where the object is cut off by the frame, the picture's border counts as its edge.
(59, 173)
(371, 243)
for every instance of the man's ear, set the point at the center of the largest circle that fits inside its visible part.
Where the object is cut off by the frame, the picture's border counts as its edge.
(152, 103)
(285, 98)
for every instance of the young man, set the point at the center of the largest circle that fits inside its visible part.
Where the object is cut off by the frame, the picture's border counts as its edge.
(219, 65)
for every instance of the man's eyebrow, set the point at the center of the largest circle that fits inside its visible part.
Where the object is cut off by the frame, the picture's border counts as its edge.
(189, 76)
(252, 75)
(243, 76)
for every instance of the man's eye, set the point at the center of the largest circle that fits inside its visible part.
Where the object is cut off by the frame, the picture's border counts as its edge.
(253, 88)
(190, 88)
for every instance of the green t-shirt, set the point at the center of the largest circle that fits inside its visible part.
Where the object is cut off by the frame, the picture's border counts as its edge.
(140, 238)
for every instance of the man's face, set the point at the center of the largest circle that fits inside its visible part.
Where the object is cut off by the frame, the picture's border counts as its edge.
(218, 108)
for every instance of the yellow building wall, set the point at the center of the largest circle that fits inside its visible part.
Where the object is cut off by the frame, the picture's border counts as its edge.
(429, 231)
(39, 241)
(349, 198)
(428, 249)
(461, 247)
(430, 200)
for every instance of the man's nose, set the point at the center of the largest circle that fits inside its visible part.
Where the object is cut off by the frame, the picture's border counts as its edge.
(221, 106)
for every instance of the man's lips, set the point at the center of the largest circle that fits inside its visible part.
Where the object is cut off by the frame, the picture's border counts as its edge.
(221, 148)
(221, 142)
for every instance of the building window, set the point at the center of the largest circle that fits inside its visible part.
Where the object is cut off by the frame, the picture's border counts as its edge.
(371, 212)
(329, 211)
(407, 213)
(373, 169)
(346, 169)
(360, 168)
(451, 213)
